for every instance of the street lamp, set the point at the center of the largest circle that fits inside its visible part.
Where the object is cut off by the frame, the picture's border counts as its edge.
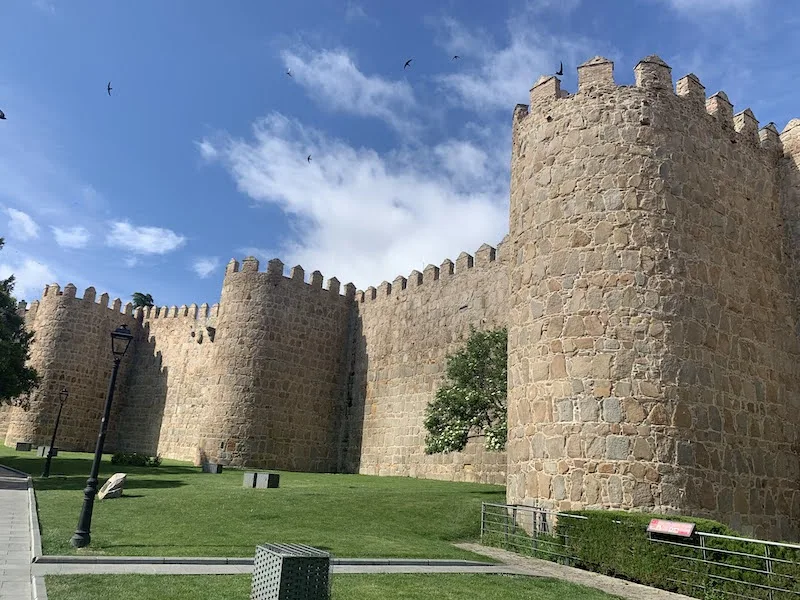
(62, 397)
(120, 340)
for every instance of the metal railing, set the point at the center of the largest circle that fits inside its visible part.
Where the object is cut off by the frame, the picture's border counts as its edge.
(706, 565)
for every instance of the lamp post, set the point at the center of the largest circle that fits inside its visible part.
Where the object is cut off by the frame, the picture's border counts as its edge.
(120, 339)
(62, 397)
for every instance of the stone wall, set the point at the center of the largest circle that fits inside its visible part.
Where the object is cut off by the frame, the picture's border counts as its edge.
(169, 387)
(653, 350)
(404, 331)
(72, 349)
(279, 369)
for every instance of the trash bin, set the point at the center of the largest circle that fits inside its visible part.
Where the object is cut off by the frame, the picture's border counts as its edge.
(290, 572)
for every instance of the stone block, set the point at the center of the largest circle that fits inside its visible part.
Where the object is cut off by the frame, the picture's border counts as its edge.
(212, 468)
(267, 480)
(249, 480)
(23, 446)
(617, 447)
(43, 450)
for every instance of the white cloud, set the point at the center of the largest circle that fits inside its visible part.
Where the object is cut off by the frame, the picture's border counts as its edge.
(332, 79)
(131, 261)
(21, 225)
(207, 149)
(205, 266)
(365, 217)
(75, 237)
(143, 240)
(354, 12)
(30, 278)
(498, 76)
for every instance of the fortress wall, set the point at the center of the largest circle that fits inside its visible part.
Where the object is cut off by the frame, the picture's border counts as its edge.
(404, 332)
(72, 349)
(279, 366)
(169, 388)
(653, 363)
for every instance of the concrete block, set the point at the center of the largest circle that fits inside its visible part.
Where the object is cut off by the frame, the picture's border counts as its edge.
(23, 446)
(212, 468)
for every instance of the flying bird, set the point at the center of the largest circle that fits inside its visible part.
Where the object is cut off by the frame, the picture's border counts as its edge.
(456, 56)
(309, 158)
(560, 69)
(289, 72)
(408, 62)
(109, 88)
(2, 115)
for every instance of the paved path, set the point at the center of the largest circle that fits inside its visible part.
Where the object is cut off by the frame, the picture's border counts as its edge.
(15, 536)
(545, 568)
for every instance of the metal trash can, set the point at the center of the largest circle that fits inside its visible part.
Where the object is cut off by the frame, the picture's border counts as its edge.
(291, 572)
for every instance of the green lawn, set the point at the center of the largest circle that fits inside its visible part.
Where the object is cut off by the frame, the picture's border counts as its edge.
(176, 510)
(439, 586)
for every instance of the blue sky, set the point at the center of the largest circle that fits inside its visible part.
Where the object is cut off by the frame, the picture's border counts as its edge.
(199, 155)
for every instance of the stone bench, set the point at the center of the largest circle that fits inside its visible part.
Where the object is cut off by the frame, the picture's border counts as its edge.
(212, 468)
(43, 450)
(23, 446)
(254, 479)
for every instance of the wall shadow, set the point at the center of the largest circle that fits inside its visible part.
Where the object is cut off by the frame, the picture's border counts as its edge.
(354, 403)
(140, 415)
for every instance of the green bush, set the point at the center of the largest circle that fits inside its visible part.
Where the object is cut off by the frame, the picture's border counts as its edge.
(134, 459)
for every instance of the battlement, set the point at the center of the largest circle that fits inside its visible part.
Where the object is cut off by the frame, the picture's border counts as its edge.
(193, 312)
(53, 292)
(653, 77)
(275, 272)
(485, 257)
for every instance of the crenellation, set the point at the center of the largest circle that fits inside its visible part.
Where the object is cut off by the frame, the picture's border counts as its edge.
(89, 294)
(463, 262)
(214, 310)
(232, 267)
(349, 292)
(250, 265)
(770, 139)
(653, 73)
(203, 314)
(486, 254)
(597, 72)
(70, 291)
(333, 286)
(431, 273)
(183, 310)
(297, 274)
(384, 289)
(719, 107)
(399, 284)
(316, 280)
(173, 312)
(790, 138)
(689, 87)
(191, 312)
(128, 308)
(546, 89)
(746, 125)
(275, 267)
(415, 279)
(371, 293)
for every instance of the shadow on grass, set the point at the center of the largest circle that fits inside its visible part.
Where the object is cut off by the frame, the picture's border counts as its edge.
(75, 482)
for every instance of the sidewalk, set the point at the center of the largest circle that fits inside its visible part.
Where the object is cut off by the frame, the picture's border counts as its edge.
(15, 536)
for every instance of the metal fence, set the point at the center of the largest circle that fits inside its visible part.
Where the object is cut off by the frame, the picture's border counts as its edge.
(706, 565)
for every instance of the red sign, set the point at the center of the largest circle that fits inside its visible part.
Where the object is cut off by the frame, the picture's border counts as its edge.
(671, 528)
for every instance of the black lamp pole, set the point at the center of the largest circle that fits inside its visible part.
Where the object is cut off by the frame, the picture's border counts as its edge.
(120, 339)
(62, 397)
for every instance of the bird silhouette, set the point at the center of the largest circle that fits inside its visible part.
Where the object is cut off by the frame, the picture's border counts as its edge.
(309, 158)
(289, 72)
(456, 56)
(2, 115)
(560, 69)
(408, 62)
(109, 88)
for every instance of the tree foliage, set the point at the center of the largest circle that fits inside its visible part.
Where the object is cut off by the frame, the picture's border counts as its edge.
(17, 380)
(472, 401)
(141, 300)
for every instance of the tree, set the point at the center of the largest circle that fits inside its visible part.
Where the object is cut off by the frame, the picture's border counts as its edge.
(141, 300)
(473, 402)
(17, 380)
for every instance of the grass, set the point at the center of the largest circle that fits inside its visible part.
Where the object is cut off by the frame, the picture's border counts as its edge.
(442, 586)
(176, 510)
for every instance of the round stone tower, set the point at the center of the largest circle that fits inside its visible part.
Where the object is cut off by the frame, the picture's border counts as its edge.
(643, 372)
(279, 347)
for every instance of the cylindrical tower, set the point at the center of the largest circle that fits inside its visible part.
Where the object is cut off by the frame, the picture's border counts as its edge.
(71, 348)
(280, 344)
(643, 373)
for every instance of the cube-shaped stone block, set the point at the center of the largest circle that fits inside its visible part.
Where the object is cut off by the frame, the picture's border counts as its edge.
(249, 480)
(212, 468)
(267, 480)
(23, 447)
(43, 451)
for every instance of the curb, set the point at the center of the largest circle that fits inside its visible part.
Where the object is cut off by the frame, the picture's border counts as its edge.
(37, 587)
(17, 471)
(170, 560)
(36, 536)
